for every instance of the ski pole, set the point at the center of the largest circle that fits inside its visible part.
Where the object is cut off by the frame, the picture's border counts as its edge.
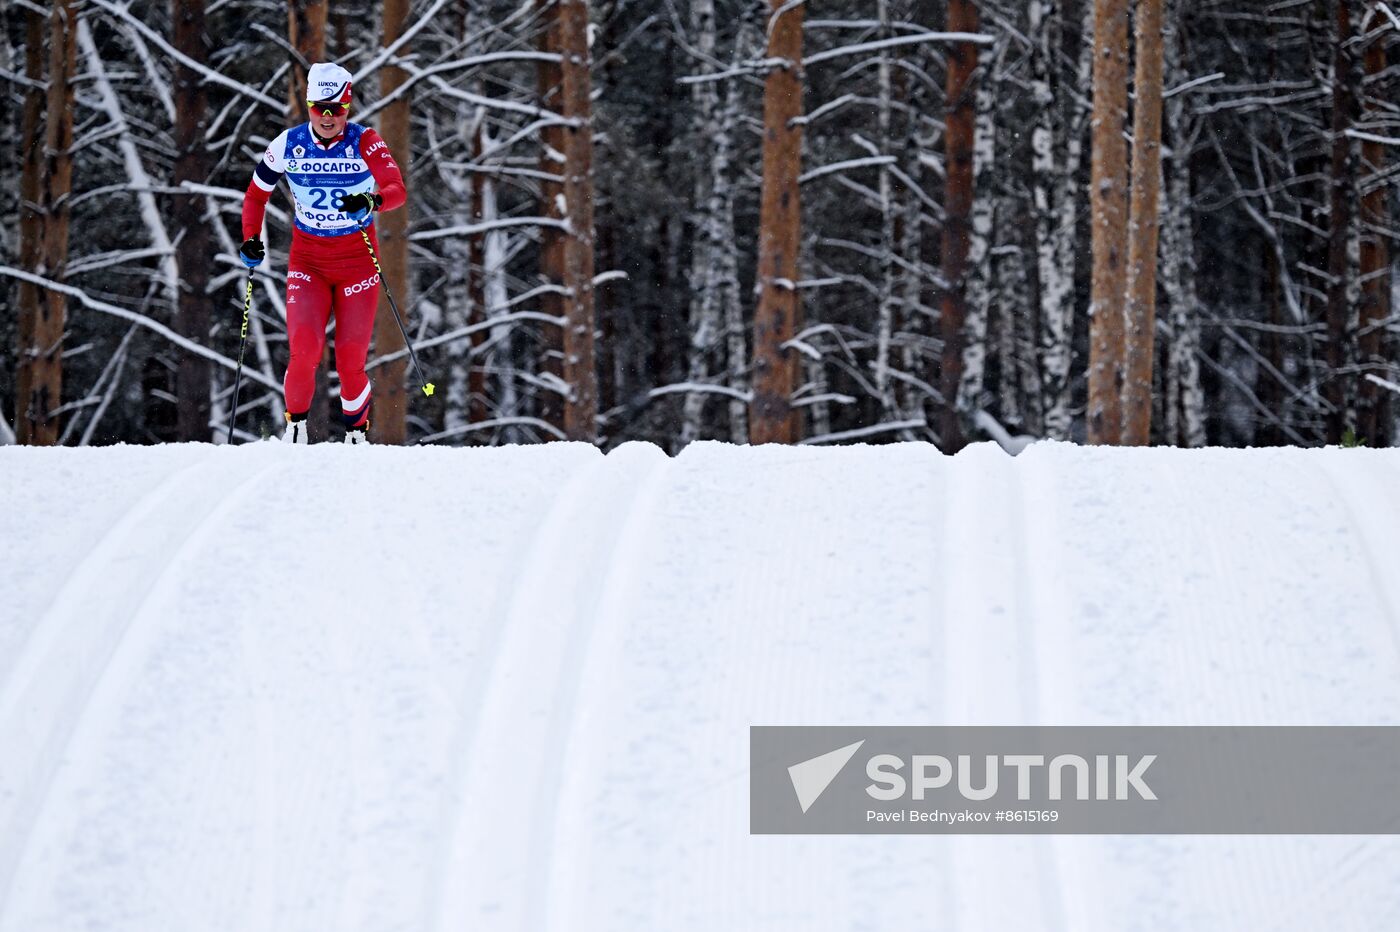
(242, 343)
(418, 370)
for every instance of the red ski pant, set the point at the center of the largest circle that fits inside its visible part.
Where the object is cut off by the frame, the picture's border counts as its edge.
(330, 276)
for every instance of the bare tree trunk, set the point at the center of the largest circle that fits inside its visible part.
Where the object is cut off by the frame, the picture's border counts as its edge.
(580, 371)
(306, 32)
(1141, 293)
(32, 302)
(1108, 199)
(1340, 309)
(959, 143)
(192, 254)
(390, 399)
(775, 371)
(1375, 268)
(42, 392)
(342, 42)
(550, 406)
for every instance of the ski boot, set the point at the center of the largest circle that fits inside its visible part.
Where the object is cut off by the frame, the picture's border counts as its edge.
(296, 430)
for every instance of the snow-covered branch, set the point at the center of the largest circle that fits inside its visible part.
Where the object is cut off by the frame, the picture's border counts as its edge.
(1383, 383)
(845, 166)
(700, 388)
(460, 64)
(871, 431)
(462, 333)
(1192, 85)
(139, 319)
(384, 54)
(210, 75)
(497, 422)
(862, 47)
(468, 229)
(161, 244)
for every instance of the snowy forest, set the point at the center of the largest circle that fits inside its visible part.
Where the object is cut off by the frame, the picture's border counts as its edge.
(1161, 222)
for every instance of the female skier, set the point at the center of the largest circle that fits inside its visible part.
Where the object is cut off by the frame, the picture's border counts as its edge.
(332, 167)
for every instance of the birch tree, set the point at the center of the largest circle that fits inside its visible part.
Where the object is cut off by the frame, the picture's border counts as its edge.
(976, 346)
(1185, 401)
(1375, 273)
(748, 43)
(1344, 241)
(708, 246)
(1050, 139)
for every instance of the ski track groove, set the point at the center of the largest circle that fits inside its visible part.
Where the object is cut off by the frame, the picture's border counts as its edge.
(532, 555)
(38, 643)
(957, 662)
(1372, 544)
(1188, 513)
(1046, 848)
(225, 506)
(605, 624)
(341, 645)
(120, 522)
(261, 905)
(992, 641)
(608, 583)
(40, 791)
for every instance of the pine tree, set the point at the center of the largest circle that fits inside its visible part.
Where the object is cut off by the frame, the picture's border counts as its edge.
(772, 419)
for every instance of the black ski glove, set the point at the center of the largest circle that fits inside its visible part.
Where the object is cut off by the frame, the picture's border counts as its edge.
(252, 252)
(359, 204)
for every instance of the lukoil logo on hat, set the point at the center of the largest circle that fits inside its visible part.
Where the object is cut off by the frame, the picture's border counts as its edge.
(328, 82)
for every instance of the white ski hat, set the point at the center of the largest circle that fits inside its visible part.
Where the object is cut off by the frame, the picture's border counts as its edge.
(327, 82)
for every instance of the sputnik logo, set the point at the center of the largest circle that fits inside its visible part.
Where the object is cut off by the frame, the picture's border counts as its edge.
(811, 777)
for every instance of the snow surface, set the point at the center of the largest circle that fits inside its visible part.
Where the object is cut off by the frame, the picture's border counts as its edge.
(335, 688)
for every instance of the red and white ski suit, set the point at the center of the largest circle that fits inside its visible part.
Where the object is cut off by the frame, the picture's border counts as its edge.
(329, 271)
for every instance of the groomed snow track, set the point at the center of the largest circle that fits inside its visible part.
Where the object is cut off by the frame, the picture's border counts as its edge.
(431, 689)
